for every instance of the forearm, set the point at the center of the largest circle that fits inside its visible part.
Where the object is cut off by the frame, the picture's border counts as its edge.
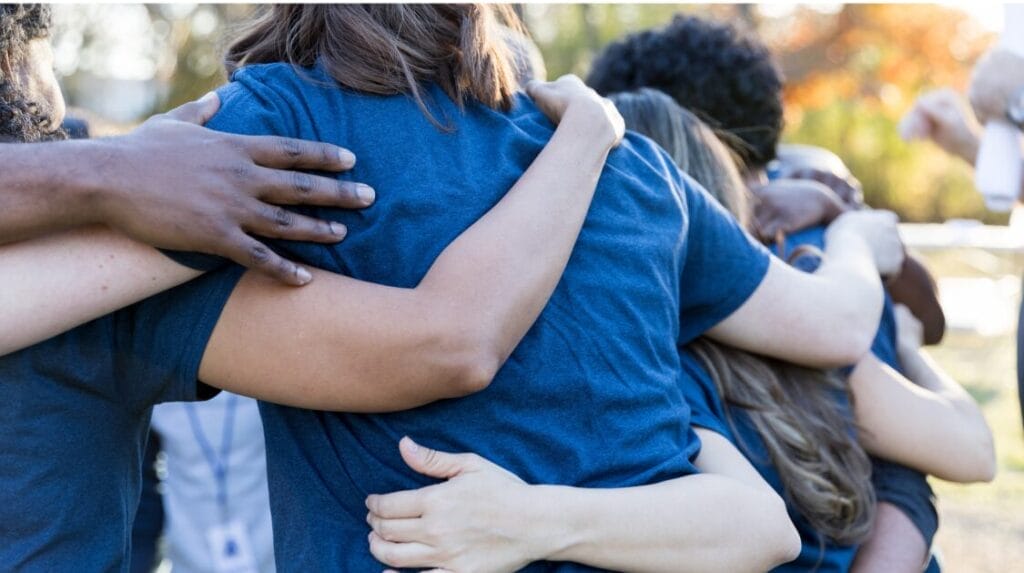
(894, 544)
(47, 187)
(822, 320)
(934, 428)
(724, 519)
(55, 283)
(495, 279)
(696, 523)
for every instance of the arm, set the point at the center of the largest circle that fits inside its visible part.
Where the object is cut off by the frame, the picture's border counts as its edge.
(175, 185)
(931, 424)
(828, 318)
(894, 545)
(485, 519)
(54, 284)
(171, 184)
(368, 347)
(915, 288)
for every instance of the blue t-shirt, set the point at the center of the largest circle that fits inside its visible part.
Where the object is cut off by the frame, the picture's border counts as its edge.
(590, 397)
(904, 487)
(709, 411)
(74, 421)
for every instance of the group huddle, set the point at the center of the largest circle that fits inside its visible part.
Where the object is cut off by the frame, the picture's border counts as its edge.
(568, 332)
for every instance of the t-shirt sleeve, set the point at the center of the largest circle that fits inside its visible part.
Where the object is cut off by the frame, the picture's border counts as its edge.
(701, 394)
(162, 339)
(723, 264)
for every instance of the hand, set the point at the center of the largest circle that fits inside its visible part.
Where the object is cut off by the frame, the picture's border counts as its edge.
(879, 229)
(175, 185)
(844, 186)
(568, 94)
(943, 117)
(473, 522)
(790, 205)
(997, 77)
(909, 331)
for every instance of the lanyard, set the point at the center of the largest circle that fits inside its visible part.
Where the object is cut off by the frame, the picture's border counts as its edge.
(218, 463)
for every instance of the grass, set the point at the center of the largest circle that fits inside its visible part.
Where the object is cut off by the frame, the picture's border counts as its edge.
(982, 526)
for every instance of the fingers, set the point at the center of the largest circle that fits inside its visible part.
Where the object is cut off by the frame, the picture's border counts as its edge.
(253, 254)
(433, 463)
(397, 505)
(396, 530)
(400, 555)
(199, 111)
(287, 153)
(298, 188)
(279, 223)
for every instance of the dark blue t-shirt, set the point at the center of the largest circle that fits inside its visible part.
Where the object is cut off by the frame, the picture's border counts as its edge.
(904, 487)
(590, 397)
(74, 421)
(709, 411)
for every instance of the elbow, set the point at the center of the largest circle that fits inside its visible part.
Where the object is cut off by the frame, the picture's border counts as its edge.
(472, 362)
(854, 342)
(975, 461)
(475, 372)
(981, 467)
(782, 542)
(788, 544)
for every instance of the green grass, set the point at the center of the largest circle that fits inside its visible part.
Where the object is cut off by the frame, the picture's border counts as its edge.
(982, 525)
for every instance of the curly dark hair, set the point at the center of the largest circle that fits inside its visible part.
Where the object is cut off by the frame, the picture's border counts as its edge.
(726, 77)
(21, 118)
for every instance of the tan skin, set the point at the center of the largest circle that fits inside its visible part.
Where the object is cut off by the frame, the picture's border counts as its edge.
(172, 184)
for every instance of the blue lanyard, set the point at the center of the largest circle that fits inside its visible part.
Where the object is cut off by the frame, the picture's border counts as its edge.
(218, 463)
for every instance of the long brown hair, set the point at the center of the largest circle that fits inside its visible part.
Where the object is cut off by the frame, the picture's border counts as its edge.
(825, 472)
(390, 49)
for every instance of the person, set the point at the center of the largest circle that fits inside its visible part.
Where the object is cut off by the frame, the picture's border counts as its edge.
(215, 470)
(786, 420)
(191, 198)
(730, 80)
(942, 116)
(78, 405)
(607, 336)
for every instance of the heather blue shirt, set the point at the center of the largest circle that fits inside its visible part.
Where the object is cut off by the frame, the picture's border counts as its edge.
(709, 412)
(74, 421)
(590, 397)
(905, 488)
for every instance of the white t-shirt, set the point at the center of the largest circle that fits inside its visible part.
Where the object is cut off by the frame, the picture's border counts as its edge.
(190, 488)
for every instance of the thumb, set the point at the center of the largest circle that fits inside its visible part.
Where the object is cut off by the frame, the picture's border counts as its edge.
(440, 465)
(199, 111)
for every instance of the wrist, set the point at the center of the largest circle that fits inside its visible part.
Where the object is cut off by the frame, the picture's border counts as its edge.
(591, 121)
(555, 528)
(98, 177)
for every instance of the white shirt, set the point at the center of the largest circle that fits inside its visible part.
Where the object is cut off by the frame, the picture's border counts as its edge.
(190, 488)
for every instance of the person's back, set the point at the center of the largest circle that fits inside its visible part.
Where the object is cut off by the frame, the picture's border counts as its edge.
(564, 408)
(590, 397)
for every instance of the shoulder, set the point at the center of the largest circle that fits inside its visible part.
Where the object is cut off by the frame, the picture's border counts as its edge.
(646, 160)
(265, 99)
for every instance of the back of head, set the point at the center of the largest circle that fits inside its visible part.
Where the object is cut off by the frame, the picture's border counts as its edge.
(389, 49)
(825, 472)
(727, 78)
(693, 146)
(22, 117)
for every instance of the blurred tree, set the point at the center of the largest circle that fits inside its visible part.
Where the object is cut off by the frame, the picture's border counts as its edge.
(851, 72)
